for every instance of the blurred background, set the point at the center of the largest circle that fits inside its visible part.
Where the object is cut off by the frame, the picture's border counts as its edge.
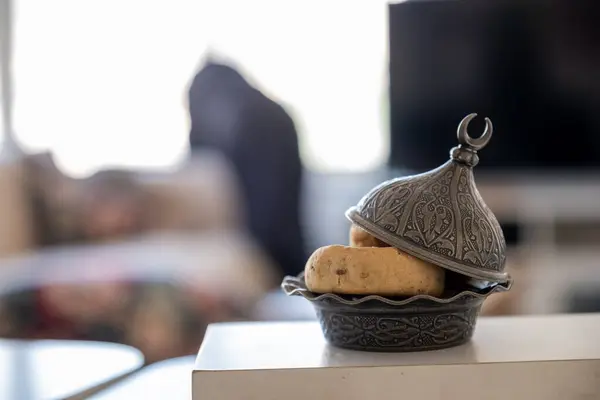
(165, 164)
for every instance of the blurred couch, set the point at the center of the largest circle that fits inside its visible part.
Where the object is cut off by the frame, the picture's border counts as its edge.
(16, 231)
(157, 290)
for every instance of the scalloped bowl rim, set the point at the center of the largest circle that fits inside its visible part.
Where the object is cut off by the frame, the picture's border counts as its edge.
(298, 288)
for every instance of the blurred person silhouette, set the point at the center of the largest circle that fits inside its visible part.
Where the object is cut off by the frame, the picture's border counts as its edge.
(259, 138)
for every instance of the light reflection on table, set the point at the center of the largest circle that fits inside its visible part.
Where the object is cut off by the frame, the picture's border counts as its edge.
(170, 379)
(53, 369)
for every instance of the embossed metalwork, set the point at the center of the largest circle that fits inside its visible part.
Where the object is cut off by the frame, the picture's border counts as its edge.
(375, 323)
(439, 216)
(296, 286)
(391, 331)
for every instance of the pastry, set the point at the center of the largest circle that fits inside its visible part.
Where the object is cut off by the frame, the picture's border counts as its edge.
(361, 238)
(384, 271)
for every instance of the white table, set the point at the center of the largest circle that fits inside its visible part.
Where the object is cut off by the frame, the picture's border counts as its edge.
(53, 369)
(170, 379)
(517, 358)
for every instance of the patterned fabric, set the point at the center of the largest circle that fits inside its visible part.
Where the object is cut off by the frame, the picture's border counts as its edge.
(146, 305)
(160, 319)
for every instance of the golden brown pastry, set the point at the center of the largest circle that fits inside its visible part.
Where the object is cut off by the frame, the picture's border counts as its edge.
(384, 271)
(361, 238)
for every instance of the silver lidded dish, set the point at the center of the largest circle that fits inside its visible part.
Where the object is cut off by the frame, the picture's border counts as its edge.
(439, 217)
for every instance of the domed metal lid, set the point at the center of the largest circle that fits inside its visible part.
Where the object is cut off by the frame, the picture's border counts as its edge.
(439, 216)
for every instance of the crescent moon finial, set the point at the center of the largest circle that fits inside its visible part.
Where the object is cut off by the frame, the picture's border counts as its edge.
(474, 143)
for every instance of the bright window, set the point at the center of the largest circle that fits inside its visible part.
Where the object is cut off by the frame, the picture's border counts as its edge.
(102, 82)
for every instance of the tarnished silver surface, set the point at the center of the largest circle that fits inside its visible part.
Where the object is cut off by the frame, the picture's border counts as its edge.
(296, 286)
(376, 323)
(439, 216)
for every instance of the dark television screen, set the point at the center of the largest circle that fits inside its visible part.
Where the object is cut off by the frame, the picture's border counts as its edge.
(533, 67)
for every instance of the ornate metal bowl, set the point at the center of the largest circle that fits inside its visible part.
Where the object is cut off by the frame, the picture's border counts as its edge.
(382, 324)
(439, 216)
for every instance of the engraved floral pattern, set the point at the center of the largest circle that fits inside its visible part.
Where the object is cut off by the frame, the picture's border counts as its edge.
(480, 234)
(431, 223)
(386, 207)
(398, 332)
(442, 212)
(376, 323)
